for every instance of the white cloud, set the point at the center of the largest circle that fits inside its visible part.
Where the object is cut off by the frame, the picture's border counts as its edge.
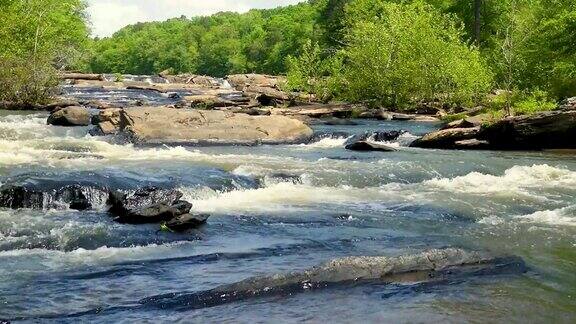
(108, 16)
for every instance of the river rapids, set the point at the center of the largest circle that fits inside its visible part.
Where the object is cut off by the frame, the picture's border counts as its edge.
(279, 209)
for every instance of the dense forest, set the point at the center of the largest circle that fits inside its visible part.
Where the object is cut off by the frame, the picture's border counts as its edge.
(385, 52)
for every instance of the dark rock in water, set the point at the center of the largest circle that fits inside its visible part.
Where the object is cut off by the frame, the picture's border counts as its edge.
(386, 136)
(148, 205)
(366, 146)
(186, 221)
(447, 138)
(16, 197)
(70, 116)
(69, 196)
(426, 267)
(372, 141)
(378, 136)
(546, 130)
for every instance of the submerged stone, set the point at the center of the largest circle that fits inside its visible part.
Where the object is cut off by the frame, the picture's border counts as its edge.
(429, 266)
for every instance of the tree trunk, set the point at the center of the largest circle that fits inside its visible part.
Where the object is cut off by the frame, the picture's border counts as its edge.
(477, 21)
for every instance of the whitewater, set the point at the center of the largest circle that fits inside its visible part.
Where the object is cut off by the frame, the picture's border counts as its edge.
(285, 208)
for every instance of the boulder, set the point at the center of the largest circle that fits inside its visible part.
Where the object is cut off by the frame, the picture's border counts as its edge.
(147, 205)
(446, 138)
(186, 221)
(208, 101)
(168, 125)
(240, 81)
(366, 146)
(136, 85)
(267, 96)
(60, 103)
(35, 196)
(70, 116)
(373, 141)
(111, 115)
(460, 123)
(108, 121)
(546, 130)
(378, 136)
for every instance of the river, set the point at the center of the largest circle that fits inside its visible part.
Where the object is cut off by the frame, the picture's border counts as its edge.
(277, 209)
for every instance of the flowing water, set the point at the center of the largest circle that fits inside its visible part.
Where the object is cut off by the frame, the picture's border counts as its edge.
(283, 208)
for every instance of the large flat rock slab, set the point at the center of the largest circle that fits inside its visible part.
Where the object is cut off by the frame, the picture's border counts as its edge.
(168, 125)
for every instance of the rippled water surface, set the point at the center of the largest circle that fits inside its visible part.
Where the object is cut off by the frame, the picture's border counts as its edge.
(284, 208)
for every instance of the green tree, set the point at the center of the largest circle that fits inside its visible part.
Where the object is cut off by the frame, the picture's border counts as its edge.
(38, 37)
(412, 52)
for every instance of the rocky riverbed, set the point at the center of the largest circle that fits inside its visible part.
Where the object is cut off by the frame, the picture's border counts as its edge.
(347, 221)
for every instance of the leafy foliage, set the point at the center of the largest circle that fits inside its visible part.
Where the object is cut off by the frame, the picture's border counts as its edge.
(38, 37)
(224, 43)
(412, 53)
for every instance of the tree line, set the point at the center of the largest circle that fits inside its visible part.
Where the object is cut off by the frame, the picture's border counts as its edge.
(385, 52)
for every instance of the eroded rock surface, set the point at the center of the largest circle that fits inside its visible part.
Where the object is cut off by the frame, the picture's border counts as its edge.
(70, 116)
(166, 125)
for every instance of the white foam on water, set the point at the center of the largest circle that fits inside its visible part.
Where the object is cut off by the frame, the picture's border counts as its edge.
(55, 259)
(281, 196)
(558, 217)
(516, 180)
(327, 142)
(492, 220)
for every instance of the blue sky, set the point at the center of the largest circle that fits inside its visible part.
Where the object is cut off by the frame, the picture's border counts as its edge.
(108, 16)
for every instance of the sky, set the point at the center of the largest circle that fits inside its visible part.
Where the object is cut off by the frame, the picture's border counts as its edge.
(108, 16)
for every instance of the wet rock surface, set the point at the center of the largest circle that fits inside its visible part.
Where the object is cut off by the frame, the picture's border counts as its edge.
(147, 205)
(43, 197)
(70, 116)
(426, 267)
(133, 206)
(373, 141)
(446, 138)
(544, 130)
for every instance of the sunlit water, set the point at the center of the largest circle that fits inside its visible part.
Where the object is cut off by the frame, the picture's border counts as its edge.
(285, 208)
